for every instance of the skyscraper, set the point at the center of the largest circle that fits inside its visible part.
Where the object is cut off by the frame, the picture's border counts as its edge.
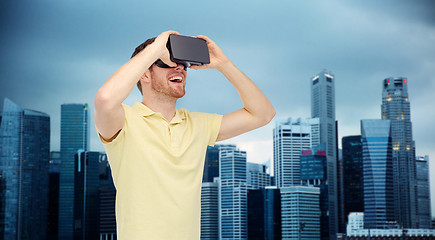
(53, 201)
(290, 137)
(232, 193)
(323, 107)
(210, 211)
(107, 194)
(377, 173)
(272, 213)
(74, 136)
(211, 164)
(24, 172)
(424, 213)
(300, 213)
(313, 173)
(353, 186)
(257, 176)
(256, 214)
(86, 181)
(396, 108)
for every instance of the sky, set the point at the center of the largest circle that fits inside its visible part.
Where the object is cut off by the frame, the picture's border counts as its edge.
(56, 52)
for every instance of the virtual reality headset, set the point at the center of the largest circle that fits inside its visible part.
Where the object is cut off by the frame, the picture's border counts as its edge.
(188, 50)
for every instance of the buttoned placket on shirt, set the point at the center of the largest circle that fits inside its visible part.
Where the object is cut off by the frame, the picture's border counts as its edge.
(173, 136)
(175, 140)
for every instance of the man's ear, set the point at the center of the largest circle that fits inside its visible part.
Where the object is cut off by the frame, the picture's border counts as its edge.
(146, 77)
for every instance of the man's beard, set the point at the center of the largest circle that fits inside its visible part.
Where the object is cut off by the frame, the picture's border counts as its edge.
(167, 90)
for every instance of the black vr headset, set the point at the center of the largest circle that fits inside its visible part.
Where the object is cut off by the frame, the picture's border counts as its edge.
(188, 50)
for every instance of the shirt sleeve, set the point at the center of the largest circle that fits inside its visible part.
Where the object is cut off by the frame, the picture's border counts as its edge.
(115, 147)
(214, 125)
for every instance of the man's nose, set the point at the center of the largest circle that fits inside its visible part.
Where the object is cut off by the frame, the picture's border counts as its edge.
(180, 67)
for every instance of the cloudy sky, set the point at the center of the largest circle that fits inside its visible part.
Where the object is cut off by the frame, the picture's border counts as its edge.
(55, 52)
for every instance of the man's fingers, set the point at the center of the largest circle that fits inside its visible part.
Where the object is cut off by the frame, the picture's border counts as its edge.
(163, 39)
(170, 32)
(204, 37)
(198, 67)
(167, 60)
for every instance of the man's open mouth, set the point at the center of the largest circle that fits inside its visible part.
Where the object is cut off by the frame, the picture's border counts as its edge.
(177, 79)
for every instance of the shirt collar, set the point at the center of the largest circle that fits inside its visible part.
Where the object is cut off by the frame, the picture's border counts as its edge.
(142, 109)
(146, 111)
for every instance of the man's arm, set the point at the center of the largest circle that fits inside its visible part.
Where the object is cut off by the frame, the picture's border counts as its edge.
(257, 110)
(109, 114)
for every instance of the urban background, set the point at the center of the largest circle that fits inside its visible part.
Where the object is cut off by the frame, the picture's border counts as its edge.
(345, 154)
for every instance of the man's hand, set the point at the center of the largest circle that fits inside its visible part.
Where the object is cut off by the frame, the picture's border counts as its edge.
(217, 56)
(159, 47)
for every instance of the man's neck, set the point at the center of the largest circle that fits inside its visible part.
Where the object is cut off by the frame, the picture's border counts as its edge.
(166, 108)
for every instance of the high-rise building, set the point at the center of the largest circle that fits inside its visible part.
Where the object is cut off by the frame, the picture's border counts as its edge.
(232, 193)
(290, 137)
(107, 194)
(86, 182)
(340, 195)
(74, 136)
(424, 212)
(313, 173)
(211, 164)
(24, 172)
(300, 212)
(377, 173)
(323, 107)
(257, 176)
(272, 213)
(53, 197)
(264, 214)
(341, 216)
(255, 214)
(210, 211)
(313, 166)
(396, 108)
(353, 186)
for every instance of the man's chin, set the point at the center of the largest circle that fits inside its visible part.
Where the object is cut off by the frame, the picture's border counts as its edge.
(179, 95)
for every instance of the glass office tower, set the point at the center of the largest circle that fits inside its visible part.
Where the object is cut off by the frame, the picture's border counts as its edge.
(74, 136)
(24, 172)
(86, 182)
(256, 214)
(300, 212)
(424, 212)
(323, 107)
(396, 108)
(53, 201)
(353, 186)
(258, 177)
(107, 194)
(313, 173)
(210, 211)
(232, 193)
(211, 164)
(264, 214)
(377, 173)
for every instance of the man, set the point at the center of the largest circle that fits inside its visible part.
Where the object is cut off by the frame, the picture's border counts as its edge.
(155, 151)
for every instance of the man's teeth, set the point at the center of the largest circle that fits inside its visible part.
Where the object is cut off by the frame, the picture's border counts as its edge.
(176, 79)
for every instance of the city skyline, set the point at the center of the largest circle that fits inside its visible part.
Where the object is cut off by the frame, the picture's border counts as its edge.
(69, 49)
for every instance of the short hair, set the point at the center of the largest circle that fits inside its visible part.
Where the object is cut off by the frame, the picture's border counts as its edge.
(138, 50)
